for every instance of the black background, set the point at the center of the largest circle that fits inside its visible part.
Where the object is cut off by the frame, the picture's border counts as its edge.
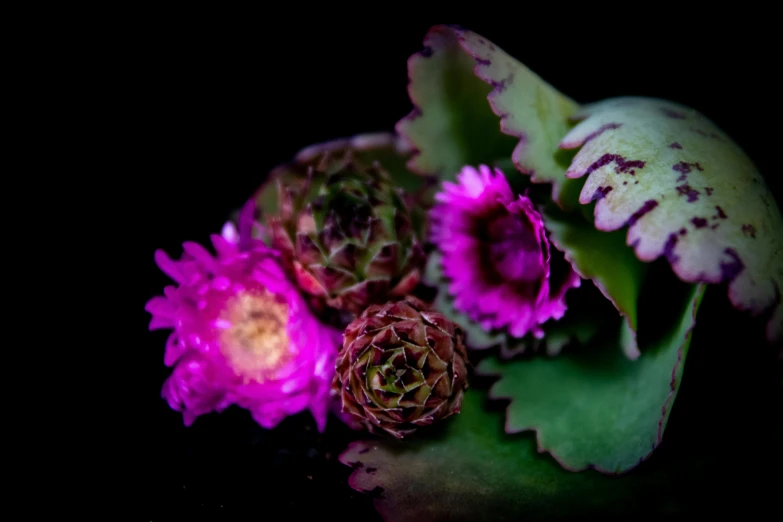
(194, 107)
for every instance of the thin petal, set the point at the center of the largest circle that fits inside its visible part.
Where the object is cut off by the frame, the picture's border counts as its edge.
(232, 289)
(200, 254)
(160, 306)
(174, 350)
(168, 266)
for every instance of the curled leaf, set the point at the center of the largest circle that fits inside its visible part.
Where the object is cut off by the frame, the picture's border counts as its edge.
(594, 407)
(606, 260)
(685, 191)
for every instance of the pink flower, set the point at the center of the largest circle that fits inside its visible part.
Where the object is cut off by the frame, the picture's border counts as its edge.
(496, 255)
(242, 334)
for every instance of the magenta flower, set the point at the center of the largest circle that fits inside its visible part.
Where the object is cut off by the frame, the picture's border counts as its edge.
(496, 254)
(241, 335)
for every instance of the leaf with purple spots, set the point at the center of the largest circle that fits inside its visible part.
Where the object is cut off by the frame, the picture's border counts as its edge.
(593, 407)
(529, 109)
(465, 91)
(452, 124)
(696, 198)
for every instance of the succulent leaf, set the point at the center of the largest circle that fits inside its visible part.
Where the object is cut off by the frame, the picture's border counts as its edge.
(594, 407)
(389, 150)
(452, 125)
(604, 258)
(402, 365)
(472, 471)
(685, 191)
(529, 108)
(347, 236)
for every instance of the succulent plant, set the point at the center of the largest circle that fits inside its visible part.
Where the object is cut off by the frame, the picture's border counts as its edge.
(345, 232)
(402, 365)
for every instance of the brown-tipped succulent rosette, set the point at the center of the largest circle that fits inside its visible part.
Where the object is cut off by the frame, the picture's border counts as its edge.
(345, 232)
(402, 366)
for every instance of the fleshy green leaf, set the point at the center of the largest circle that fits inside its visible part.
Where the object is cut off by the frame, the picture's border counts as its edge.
(452, 124)
(593, 407)
(530, 109)
(580, 325)
(390, 150)
(685, 191)
(470, 470)
(604, 258)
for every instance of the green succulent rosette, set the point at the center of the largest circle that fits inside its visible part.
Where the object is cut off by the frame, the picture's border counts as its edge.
(344, 227)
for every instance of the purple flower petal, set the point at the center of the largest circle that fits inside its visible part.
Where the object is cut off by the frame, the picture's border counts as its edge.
(157, 322)
(174, 350)
(224, 245)
(161, 306)
(199, 253)
(242, 334)
(496, 255)
(167, 266)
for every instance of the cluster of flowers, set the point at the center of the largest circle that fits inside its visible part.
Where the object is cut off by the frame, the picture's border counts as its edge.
(311, 302)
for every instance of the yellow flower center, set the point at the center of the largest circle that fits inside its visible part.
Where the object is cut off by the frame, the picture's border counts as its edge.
(255, 337)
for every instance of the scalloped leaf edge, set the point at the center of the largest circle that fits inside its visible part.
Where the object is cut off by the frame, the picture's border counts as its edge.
(665, 408)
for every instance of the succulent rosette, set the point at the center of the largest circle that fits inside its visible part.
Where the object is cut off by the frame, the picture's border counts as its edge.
(242, 334)
(402, 366)
(496, 254)
(345, 232)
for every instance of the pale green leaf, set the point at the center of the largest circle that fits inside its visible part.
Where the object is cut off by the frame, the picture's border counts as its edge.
(685, 191)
